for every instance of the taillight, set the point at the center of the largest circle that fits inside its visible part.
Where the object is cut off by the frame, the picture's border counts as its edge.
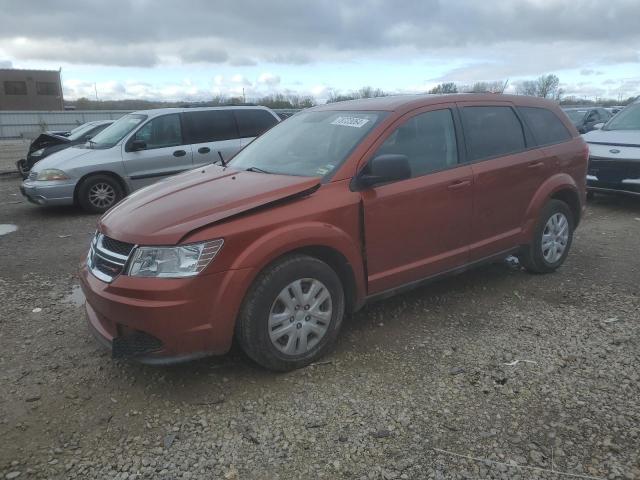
(585, 151)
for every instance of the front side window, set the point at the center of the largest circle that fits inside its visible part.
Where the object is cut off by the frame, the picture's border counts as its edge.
(576, 116)
(428, 140)
(252, 123)
(626, 119)
(309, 144)
(492, 131)
(210, 126)
(164, 131)
(15, 88)
(115, 132)
(545, 125)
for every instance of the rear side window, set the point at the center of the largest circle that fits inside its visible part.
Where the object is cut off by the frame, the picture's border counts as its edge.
(547, 128)
(252, 123)
(209, 126)
(492, 131)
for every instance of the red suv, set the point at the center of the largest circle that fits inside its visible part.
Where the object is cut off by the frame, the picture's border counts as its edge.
(336, 206)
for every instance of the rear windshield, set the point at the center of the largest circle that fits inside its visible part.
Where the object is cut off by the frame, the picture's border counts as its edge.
(626, 119)
(575, 115)
(309, 144)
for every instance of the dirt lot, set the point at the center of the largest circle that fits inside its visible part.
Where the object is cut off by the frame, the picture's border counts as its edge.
(413, 380)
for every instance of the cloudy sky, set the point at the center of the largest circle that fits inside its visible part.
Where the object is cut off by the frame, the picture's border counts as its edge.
(190, 50)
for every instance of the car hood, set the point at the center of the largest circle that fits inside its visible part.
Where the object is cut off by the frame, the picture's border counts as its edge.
(166, 212)
(630, 138)
(61, 159)
(45, 140)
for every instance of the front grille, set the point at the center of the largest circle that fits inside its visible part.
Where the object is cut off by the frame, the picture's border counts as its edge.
(117, 246)
(33, 175)
(108, 257)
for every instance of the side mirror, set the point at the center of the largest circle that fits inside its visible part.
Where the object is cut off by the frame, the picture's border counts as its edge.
(598, 126)
(137, 145)
(384, 169)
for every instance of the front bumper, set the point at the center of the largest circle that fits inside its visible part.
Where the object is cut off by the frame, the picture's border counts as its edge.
(52, 193)
(175, 319)
(614, 176)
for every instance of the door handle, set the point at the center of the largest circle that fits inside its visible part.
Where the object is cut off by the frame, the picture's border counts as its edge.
(536, 165)
(459, 184)
(179, 153)
(204, 150)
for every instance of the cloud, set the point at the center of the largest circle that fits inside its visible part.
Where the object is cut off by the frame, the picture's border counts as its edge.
(6, 64)
(240, 80)
(269, 79)
(204, 54)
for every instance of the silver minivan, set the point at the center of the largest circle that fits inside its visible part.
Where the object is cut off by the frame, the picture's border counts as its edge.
(141, 148)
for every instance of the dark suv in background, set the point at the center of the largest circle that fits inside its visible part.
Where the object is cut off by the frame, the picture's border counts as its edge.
(585, 119)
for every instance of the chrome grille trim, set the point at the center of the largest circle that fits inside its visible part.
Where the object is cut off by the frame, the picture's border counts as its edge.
(100, 259)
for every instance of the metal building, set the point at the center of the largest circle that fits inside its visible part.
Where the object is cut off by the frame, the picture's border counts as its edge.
(30, 89)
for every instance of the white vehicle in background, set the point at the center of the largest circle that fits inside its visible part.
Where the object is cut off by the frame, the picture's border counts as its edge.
(614, 154)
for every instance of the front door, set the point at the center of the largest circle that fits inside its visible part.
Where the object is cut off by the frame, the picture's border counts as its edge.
(419, 227)
(163, 153)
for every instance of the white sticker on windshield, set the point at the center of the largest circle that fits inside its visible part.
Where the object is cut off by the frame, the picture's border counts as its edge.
(355, 122)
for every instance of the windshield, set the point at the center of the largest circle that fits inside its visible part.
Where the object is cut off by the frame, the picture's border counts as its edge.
(116, 131)
(309, 144)
(626, 119)
(81, 131)
(575, 115)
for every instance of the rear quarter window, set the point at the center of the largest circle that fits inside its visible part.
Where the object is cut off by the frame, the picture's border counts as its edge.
(252, 123)
(547, 128)
(492, 131)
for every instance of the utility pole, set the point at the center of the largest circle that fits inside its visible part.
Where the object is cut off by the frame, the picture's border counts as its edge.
(95, 89)
(244, 99)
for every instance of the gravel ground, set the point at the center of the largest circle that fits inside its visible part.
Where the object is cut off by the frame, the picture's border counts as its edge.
(10, 152)
(526, 373)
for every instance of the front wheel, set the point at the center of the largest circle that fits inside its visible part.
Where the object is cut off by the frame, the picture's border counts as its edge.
(292, 313)
(99, 193)
(552, 239)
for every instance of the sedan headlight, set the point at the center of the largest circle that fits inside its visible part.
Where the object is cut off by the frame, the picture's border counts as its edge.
(37, 153)
(173, 262)
(51, 174)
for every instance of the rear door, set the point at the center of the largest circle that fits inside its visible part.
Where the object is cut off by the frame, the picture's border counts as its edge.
(507, 171)
(253, 122)
(421, 226)
(211, 133)
(165, 151)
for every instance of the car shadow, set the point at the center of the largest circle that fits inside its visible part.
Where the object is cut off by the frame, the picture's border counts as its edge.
(617, 202)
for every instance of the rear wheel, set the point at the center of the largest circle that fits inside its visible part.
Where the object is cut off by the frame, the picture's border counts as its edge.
(292, 313)
(99, 193)
(552, 239)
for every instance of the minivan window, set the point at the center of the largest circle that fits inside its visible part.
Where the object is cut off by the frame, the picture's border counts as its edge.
(491, 131)
(85, 130)
(576, 115)
(626, 119)
(209, 126)
(428, 140)
(547, 128)
(164, 131)
(117, 131)
(309, 144)
(254, 122)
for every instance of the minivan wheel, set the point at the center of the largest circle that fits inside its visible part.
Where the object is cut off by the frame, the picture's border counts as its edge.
(99, 193)
(292, 313)
(552, 239)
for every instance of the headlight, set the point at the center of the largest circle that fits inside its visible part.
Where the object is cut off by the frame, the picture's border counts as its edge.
(52, 174)
(37, 153)
(173, 262)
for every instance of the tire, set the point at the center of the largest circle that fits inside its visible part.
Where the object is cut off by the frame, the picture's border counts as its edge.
(21, 165)
(91, 188)
(273, 334)
(537, 259)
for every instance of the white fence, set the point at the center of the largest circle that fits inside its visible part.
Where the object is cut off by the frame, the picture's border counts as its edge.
(30, 124)
(25, 124)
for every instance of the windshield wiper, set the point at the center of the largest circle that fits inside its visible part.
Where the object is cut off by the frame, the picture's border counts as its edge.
(91, 143)
(256, 169)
